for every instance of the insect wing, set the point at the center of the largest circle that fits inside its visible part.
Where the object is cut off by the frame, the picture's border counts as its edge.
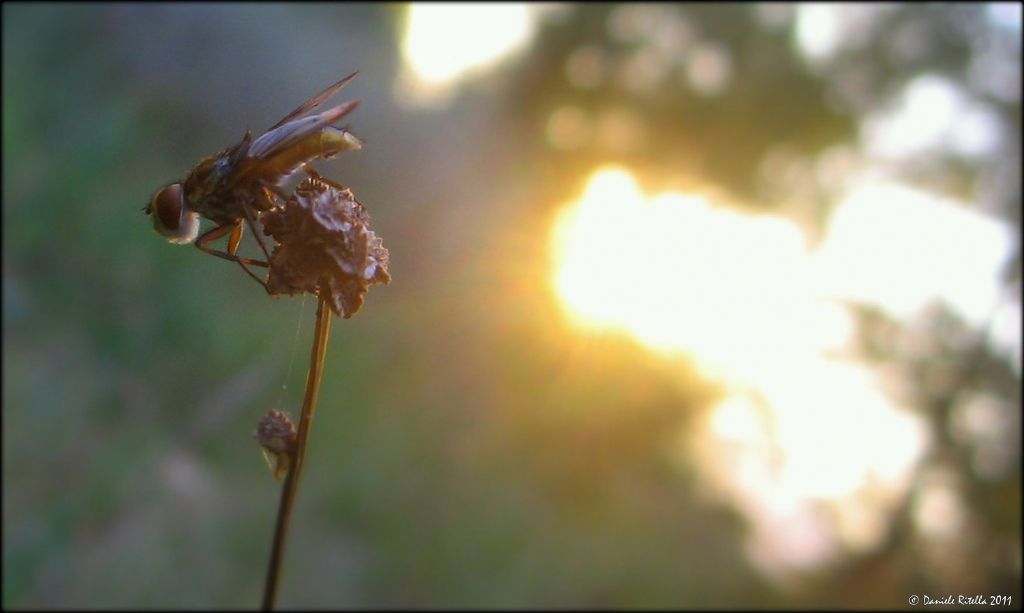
(295, 131)
(237, 154)
(315, 101)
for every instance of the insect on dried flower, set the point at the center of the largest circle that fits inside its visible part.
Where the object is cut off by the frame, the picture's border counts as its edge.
(234, 187)
(325, 246)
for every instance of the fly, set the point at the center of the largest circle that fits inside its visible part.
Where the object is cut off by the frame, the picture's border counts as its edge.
(234, 187)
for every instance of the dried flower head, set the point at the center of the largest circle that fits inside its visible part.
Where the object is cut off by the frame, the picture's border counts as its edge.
(325, 246)
(276, 433)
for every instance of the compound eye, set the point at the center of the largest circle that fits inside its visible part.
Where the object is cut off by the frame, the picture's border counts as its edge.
(167, 206)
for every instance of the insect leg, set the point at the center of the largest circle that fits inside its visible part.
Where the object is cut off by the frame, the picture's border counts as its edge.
(249, 219)
(218, 232)
(309, 170)
(234, 229)
(274, 190)
(318, 177)
(235, 239)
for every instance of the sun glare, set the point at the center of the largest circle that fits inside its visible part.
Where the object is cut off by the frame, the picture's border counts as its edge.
(680, 274)
(758, 310)
(445, 42)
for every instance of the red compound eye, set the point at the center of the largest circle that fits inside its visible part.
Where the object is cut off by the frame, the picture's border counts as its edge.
(167, 206)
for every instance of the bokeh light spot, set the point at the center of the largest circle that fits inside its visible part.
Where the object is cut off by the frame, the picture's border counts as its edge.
(709, 69)
(587, 67)
(568, 127)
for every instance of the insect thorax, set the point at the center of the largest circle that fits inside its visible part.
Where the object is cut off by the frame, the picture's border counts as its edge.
(207, 191)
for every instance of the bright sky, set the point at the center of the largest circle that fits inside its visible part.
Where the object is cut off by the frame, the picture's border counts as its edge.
(899, 248)
(931, 112)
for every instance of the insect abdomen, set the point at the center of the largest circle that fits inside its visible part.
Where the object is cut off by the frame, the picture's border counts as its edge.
(326, 143)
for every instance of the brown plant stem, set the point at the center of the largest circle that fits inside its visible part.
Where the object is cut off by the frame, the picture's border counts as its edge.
(291, 481)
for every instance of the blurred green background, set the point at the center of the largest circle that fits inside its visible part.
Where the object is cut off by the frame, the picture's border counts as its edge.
(475, 446)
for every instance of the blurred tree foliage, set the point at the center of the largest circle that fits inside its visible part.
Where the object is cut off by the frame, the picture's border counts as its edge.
(603, 59)
(769, 98)
(467, 452)
(608, 59)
